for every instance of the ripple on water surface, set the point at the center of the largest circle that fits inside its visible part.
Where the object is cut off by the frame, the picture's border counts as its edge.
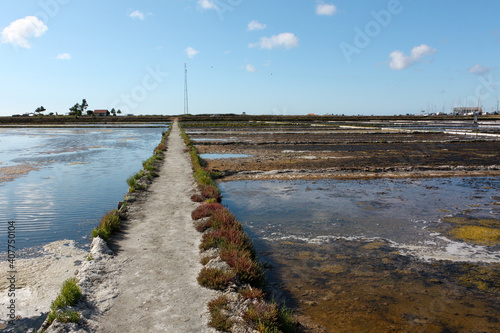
(78, 174)
(359, 256)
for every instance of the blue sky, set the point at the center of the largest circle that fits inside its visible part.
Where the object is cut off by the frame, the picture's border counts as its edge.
(259, 57)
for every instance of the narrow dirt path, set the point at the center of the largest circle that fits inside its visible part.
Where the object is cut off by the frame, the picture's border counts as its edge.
(158, 257)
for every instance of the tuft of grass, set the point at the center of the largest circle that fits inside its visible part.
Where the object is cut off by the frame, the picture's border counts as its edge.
(252, 293)
(262, 316)
(66, 316)
(205, 260)
(205, 210)
(226, 238)
(70, 295)
(160, 148)
(148, 164)
(215, 278)
(132, 181)
(224, 219)
(203, 226)
(109, 223)
(218, 319)
(203, 177)
(477, 234)
(248, 269)
(268, 317)
(197, 198)
(210, 192)
(286, 321)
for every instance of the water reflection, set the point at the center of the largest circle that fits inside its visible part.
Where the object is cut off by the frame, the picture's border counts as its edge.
(75, 176)
(347, 255)
(402, 212)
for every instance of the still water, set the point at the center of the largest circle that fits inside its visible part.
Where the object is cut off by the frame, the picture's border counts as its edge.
(56, 183)
(368, 255)
(402, 212)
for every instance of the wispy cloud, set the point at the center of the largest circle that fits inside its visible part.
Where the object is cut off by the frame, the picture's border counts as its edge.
(287, 40)
(63, 56)
(250, 68)
(207, 4)
(137, 15)
(401, 61)
(21, 31)
(255, 25)
(191, 52)
(480, 70)
(326, 9)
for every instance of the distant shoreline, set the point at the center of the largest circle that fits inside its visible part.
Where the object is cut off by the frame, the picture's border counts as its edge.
(70, 120)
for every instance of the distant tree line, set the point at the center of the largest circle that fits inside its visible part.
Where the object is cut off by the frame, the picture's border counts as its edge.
(78, 109)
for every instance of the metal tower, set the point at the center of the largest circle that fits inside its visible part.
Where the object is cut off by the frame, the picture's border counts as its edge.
(186, 104)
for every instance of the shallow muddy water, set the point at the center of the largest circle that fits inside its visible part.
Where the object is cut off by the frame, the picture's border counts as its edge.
(401, 212)
(56, 183)
(366, 255)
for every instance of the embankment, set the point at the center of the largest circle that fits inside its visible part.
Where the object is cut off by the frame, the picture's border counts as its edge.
(149, 284)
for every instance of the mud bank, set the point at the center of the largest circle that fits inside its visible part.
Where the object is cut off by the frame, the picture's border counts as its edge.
(330, 151)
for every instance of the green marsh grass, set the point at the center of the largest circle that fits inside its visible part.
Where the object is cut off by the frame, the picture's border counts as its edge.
(70, 295)
(219, 320)
(109, 223)
(215, 278)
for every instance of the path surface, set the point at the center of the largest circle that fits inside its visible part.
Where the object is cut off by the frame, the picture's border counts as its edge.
(158, 257)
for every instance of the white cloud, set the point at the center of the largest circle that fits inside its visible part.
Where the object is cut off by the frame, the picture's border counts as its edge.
(287, 40)
(326, 9)
(255, 25)
(480, 70)
(191, 52)
(137, 15)
(251, 68)
(21, 31)
(207, 4)
(401, 61)
(63, 56)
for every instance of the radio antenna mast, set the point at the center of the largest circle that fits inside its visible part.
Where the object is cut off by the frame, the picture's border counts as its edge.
(186, 104)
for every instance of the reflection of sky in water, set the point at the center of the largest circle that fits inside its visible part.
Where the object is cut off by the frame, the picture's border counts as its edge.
(65, 199)
(400, 211)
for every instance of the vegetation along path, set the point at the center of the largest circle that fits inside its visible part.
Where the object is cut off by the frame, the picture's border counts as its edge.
(158, 256)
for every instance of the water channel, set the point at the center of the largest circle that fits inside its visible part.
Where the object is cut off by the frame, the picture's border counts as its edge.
(56, 183)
